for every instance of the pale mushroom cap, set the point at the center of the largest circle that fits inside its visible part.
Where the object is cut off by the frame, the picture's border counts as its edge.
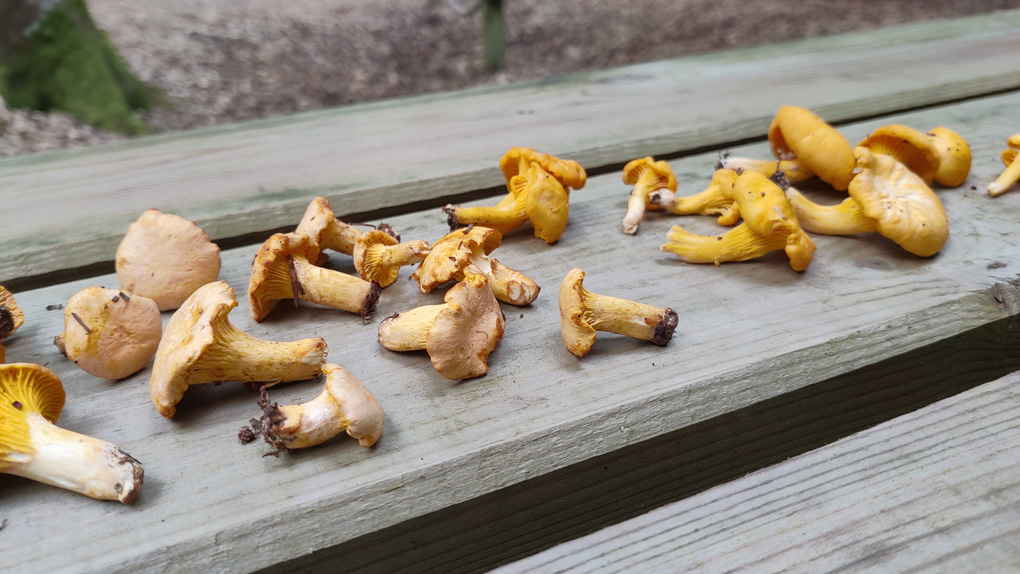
(797, 132)
(908, 146)
(270, 275)
(578, 334)
(634, 169)
(166, 258)
(904, 208)
(955, 156)
(11, 316)
(361, 411)
(569, 173)
(123, 331)
(467, 331)
(318, 216)
(452, 253)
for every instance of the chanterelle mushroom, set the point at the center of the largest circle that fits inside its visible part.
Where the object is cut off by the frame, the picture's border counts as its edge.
(954, 154)
(201, 346)
(344, 405)
(646, 175)
(885, 197)
(806, 145)
(716, 199)
(282, 270)
(458, 335)
(320, 224)
(31, 446)
(769, 225)
(908, 146)
(471, 246)
(378, 256)
(110, 333)
(1011, 174)
(11, 316)
(165, 257)
(583, 313)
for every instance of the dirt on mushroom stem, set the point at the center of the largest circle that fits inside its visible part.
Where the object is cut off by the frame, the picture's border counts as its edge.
(266, 426)
(6, 322)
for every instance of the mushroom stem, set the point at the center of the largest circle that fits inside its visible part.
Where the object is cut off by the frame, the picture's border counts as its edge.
(335, 289)
(78, 463)
(238, 356)
(339, 236)
(508, 285)
(1006, 179)
(845, 218)
(506, 216)
(630, 318)
(647, 182)
(408, 331)
(737, 244)
(793, 169)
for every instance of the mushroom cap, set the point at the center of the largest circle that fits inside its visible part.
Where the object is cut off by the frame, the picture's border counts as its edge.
(317, 218)
(904, 208)
(766, 210)
(954, 154)
(361, 411)
(547, 202)
(575, 316)
(452, 253)
(634, 169)
(123, 332)
(569, 173)
(270, 271)
(797, 132)
(909, 146)
(25, 388)
(372, 269)
(166, 258)
(467, 330)
(11, 316)
(1008, 156)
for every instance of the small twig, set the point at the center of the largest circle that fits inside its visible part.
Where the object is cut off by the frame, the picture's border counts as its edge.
(124, 296)
(82, 323)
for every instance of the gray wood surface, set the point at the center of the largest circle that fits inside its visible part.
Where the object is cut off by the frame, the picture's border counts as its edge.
(66, 211)
(748, 333)
(936, 490)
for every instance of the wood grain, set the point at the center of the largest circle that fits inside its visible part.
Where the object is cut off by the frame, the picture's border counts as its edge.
(67, 211)
(932, 490)
(748, 333)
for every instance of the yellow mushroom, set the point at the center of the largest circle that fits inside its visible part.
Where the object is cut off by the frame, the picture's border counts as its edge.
(453, 253)
(1011, 174)
(646, 175)
(378, 256)
(201, 346)
(33, 447)
(805, 145)
(583, 313)
(344, 405)
(716, 199)
(282, 270)
(908, 146)
(458, 335)
(325, 231)
(954, 154)
(885, 197)
(109, 333)
(769, 225)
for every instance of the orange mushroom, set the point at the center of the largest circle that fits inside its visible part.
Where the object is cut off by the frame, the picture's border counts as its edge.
(908, 146)
(954, 153)
(716, 199)
(646, 175)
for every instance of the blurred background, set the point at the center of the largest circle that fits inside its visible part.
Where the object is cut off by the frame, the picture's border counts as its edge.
(79, 72)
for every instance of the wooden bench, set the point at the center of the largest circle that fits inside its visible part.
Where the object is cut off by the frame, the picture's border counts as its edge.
(766, 364)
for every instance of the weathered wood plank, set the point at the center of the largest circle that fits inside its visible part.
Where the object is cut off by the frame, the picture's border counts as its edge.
(933, 490)
(749, 333)
(68, 210)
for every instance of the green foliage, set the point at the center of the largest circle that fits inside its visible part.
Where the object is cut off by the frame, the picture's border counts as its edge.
(70, 65)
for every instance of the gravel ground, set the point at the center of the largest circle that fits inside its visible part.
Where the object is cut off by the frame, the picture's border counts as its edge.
(224, 61)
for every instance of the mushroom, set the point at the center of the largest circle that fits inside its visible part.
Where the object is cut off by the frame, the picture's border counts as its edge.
(200, 346)
(908, 146)
(458, 335)
(1011, 174)
(344, 405)
(320, 224)
(165, 257)
(11, 316)
(569, 173)
(954, 156)
(282, 270)
(646, 175)
(716, 199)
(33, 447)
(804, 144)
(378, 256)
(109, 333)
(885, 197)
(471, 246)
(769, 225)
(583, 313)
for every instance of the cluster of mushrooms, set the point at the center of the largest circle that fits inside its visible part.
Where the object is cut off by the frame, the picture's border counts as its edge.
(887, 177)
(113, 333)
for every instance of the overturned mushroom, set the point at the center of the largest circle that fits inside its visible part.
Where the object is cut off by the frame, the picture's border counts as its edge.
(716, 199)
(471, 246)
(282, 270)
(166, 258)
(885, 197)
(458, 335)
(33, 447)
(109, 333)
(583, 313)
(378, 256)
(954, 156)
(344, 405)
(1011, 174)
(646, 175)
(201, 346)
(569, 173)
(908, 146)
(769, 225)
